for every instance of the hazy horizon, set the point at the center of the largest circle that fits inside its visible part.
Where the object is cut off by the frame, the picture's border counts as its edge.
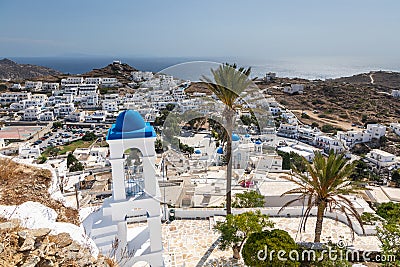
(309, 68)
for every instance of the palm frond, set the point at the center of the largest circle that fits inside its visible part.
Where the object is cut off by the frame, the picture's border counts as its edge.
(325, 181)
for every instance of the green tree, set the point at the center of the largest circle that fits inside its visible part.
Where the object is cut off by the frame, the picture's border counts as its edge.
(364, 118)
(71, 159)
(389, 235)
(314, 125)
(170, 107)
(53, 151)
(229, 82)
(89, 136)
(248, 199)
(42, 159)
(78, 166)
(327, 128)
(297, 162)
(237, 228)
(57, 124)
(361, 171)
(159, 121)
(218, 131)
(246, 120)
(396, 178)
(256, 250)
(186, 148)
(285, 160)
(158, 146)
(369, 218)
(73, 163)
(292, 160)
(389, 211)
(325, 184)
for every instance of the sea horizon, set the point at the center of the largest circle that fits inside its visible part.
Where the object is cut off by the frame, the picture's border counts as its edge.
(304, 67)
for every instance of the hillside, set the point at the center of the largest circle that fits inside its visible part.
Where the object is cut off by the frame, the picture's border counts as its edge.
(20, 183)
(198, 87)
(14, 71)
(350, 99)
(19, 72)
(115, 70)
(380, 79)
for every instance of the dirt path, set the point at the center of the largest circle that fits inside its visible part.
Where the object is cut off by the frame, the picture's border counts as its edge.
(314, 117)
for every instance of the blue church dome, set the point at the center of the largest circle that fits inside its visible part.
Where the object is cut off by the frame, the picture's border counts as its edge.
(235, 137)
(220, 150)
(128, 121)
(130, 124)
(197, 151)
(258, 142)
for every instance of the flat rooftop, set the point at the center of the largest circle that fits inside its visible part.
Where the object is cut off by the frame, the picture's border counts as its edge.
(382, 153)
(268, 187)
(392, 193)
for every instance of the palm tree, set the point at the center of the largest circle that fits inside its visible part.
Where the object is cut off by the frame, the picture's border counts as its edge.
(229, 82)
(324, 185)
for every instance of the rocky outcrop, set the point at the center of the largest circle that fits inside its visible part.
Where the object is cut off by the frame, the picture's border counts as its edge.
(121, 71)
(37, 247)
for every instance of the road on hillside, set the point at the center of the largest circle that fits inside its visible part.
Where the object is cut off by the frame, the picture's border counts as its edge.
(314, 116)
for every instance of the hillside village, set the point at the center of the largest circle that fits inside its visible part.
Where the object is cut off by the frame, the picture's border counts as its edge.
(65, 126)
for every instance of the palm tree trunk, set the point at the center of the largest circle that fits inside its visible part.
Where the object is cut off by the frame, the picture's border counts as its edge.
(320, 219)
(229, 119)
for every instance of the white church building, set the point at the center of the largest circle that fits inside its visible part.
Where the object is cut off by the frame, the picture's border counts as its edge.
(134, 199)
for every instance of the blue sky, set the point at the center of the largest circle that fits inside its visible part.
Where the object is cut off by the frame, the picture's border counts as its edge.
(181, 28)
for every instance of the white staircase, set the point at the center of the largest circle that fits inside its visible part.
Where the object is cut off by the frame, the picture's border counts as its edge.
(104, 234)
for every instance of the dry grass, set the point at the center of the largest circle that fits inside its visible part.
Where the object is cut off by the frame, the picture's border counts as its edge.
(20, 183)
(111, 262)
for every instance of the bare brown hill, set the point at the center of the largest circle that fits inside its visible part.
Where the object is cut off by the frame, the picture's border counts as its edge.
(380, 79)
(115, 70)
(351, 99)
(198, 87)
(14, 71)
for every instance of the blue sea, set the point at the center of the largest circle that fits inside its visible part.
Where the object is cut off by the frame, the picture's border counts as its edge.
(309, 68)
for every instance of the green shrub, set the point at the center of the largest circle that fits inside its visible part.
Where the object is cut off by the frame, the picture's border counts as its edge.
(248, 199)
(260, 245)
(89, 136)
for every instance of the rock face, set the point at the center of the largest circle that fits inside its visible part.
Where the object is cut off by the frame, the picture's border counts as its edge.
(14, 71)
(28, 248)
(120, 71)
